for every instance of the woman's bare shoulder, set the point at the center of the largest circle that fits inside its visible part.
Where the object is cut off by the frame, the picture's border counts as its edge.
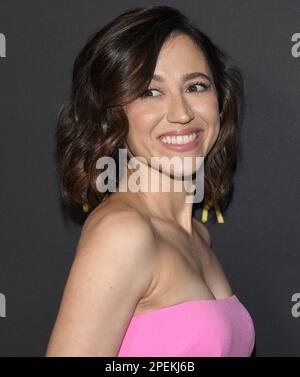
(120, 219)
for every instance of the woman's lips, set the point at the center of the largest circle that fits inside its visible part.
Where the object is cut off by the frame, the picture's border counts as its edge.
(185, 147)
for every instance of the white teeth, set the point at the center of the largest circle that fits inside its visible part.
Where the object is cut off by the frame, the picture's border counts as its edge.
(183, 139)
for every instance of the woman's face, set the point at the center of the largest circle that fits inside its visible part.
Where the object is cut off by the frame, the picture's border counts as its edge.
(174, 104)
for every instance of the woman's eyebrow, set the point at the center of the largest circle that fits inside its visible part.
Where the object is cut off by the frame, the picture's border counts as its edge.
(185, 77)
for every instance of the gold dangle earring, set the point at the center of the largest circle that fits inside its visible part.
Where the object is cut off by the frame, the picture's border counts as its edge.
(205, 210)
(219, 214)
(85, 207)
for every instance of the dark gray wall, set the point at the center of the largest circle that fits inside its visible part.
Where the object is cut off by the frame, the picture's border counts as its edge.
(258, 244)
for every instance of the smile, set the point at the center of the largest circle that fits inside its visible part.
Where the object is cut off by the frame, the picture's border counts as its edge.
(182, 142)
(182, 139)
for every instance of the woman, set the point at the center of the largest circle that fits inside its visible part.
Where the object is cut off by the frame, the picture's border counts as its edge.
(145, 280)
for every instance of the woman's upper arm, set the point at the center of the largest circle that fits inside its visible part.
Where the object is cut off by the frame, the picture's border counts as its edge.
(111, 272)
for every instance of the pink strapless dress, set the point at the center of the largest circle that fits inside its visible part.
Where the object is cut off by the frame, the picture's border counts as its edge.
(210, 328)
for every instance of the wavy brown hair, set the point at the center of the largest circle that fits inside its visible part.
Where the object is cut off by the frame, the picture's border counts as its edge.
(115, 67)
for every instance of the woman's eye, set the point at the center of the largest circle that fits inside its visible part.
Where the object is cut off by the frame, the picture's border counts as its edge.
(200, 84)
(146, 93)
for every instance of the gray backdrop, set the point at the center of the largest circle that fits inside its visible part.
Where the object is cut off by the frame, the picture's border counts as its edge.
(258, 245)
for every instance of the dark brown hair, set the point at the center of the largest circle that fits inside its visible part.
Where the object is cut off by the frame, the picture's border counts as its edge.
(114, 68)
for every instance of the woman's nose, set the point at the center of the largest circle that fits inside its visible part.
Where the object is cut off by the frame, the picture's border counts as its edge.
(179, 110)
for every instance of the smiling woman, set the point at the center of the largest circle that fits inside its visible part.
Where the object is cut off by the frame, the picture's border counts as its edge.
(145, 280)
(116, 67)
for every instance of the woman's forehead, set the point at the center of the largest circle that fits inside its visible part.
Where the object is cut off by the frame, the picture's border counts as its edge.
(181, 53)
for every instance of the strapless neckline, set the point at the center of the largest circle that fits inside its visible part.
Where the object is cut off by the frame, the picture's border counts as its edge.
(200, 327)
(187, 302)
